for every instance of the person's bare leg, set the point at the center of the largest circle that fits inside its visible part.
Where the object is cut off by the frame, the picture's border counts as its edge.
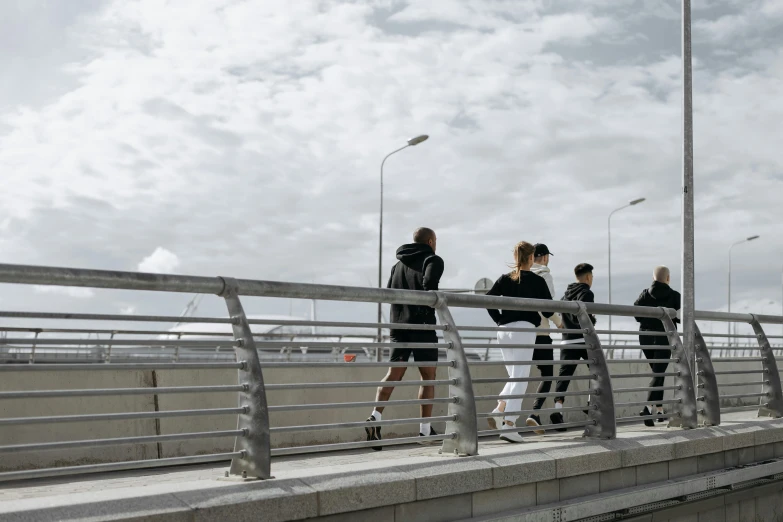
(426, 392)
(384, 393)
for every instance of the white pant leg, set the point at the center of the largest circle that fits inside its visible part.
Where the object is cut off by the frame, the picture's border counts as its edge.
(516, 371)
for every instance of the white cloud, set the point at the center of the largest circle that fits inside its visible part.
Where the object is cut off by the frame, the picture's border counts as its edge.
(161, 261)
(69, 291)
(248, 139)
(128, 310)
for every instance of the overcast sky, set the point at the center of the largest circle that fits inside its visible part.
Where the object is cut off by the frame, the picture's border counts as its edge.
(244, 138)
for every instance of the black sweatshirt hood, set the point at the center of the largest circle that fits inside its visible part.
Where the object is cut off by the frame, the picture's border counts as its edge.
(575, 290)
(407, 253)
(660, 291)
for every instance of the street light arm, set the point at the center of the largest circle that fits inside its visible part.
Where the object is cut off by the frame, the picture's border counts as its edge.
(387, 157)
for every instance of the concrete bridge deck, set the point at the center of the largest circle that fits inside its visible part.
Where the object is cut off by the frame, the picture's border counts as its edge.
(413, 483)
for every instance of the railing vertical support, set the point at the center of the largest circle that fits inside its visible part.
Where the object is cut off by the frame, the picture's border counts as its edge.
(774, 405)
(602, 411)
(686, 414)
(32, 350)
(466, 424)
(255, 444)
(707, 394)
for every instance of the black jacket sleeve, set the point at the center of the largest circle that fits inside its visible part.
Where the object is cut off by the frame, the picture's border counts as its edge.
(495, 290)
(589, 297)
(639, 302)
(391, 276)
(433, 270)
(676, 304)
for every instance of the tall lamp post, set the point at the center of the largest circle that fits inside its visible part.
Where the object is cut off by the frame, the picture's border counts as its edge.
(751, 238)
(609, 230)
(411, 143)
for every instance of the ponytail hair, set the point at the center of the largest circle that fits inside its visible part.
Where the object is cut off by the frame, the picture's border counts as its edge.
(522, 252)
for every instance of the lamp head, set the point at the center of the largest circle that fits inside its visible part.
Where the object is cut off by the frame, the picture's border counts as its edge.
(418, 139)
(636, 201)
(751, 238)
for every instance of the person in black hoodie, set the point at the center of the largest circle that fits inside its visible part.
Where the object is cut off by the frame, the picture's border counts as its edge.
(659, 294)
(417, 268)
(579, 291)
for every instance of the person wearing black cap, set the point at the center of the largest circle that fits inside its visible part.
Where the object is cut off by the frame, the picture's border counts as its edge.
(541, 268)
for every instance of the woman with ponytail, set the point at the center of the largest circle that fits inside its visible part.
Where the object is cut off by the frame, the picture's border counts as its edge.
(521, 282)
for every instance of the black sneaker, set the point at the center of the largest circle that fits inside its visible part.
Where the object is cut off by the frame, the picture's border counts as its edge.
(535, 420)
(647, 422)
(427, 442)
(557, 418)
(662, 419)
(373, 433)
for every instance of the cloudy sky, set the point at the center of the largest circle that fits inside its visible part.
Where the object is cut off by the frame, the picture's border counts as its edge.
(244, 138)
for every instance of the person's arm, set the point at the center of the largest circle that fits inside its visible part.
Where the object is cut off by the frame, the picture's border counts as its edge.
(639, 302)
(545, 293)
(432, 273)
(677, 305)
(391, 276)
(495, 290)
(590, 298)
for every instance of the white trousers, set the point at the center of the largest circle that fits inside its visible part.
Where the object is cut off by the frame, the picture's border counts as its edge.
(516, 371)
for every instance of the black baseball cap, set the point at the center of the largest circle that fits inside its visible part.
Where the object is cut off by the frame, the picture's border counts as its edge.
(542, 250)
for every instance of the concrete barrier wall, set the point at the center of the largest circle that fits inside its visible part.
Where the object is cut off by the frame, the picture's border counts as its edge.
(348, 373)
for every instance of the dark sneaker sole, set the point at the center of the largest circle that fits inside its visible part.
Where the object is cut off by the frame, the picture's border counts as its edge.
(533, 423)
(373, 433)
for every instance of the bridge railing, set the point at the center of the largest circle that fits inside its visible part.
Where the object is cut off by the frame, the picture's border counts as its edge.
(603, 390)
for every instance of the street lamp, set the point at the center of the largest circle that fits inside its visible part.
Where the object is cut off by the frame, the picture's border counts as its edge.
(751, 238)
(411, 143)
(609, 230)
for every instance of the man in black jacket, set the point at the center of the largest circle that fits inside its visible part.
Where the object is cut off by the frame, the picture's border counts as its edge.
(579, 291)
(417, 268)
(659, 294)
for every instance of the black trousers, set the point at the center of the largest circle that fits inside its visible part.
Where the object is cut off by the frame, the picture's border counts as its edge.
(567, 370)
(546, 370)
(650, 353)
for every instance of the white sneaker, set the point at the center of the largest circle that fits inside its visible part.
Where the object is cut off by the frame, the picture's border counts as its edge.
(510, 436)
(495, 422)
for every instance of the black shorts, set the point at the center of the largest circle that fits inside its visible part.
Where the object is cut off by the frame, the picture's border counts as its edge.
(419, 354)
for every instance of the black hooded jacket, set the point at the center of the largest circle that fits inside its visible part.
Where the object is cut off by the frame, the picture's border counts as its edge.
(418, 268)
(659, 294)
(576, 292)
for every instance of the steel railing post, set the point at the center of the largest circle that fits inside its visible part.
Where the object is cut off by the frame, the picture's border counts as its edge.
(686, 415)
(255, 444)
(774, 405)
(707, 394)
(601, 410)
(465, 424)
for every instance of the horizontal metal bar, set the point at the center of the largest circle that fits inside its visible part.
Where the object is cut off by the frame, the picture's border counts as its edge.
(648, 389)
(729, 384)
(645, 403)
(114, 317)
(365, 384)
(523, 429)
(737, 359)
(740, 408)
(97, 392)
(364, 404)
(635, 375)
(510, 346)
(740, 372)
(346, 425)
(730, 336)
(742, 396)
(774, 319)
(279, 452)
(523, 412)
(118, 466)
(632, 332)
(632, 420)
(15, 421)
(412, 364)
(617, 361)
(532, 395)
(330, 344)
(343, 324)
(121, 342)
(704, 315)
(520, 330)
(101, 366)
(534, 379)
(528, 363)
(43, 446)
(637, 347)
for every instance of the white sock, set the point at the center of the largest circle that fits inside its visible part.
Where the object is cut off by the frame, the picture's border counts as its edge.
(558, 405)
(376, 414)
(424, 428)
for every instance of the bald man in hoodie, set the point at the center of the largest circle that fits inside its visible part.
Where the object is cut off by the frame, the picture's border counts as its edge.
(663, 295)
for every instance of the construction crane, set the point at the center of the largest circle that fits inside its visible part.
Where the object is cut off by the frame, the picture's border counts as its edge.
(190, 308)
